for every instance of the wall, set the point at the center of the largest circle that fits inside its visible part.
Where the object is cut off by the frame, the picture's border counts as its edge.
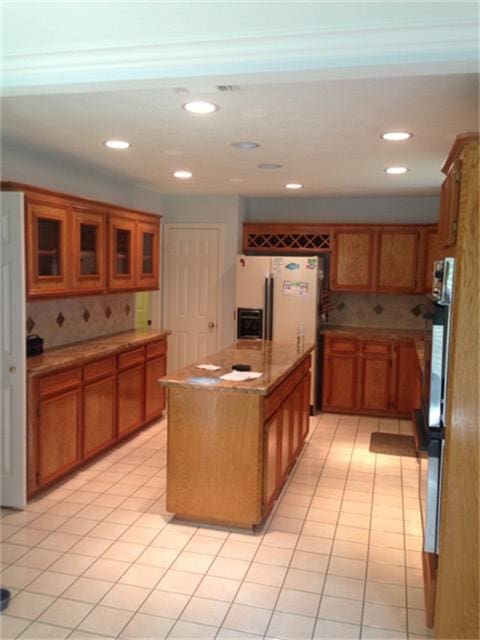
(67, 320)
(228, 211)
(370, 210)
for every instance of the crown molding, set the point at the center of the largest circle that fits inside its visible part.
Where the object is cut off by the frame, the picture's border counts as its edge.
(269, 52)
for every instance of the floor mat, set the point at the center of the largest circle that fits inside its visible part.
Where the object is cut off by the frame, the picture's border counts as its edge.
(392, 444)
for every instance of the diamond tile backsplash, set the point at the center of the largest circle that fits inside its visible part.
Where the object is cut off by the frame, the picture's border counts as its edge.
(378, 310)
(66, 320)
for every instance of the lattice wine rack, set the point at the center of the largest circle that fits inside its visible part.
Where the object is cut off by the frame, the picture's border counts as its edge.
(259, 238)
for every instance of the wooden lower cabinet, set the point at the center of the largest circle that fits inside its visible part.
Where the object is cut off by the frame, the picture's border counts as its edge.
(74, 414)
(370, 376)
(270, 458)
(99, 430)
(58, 445)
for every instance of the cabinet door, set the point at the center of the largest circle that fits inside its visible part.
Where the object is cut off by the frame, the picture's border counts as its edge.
(352, 260)
(147, 255)
(285, 438)
(58, 435)
(154, 394)
(98, 415)
(407, 386)
(46, 242)
(340, 382)
(130, 402)
(297, 419)
(375, 376)
(306, 384)
(89, 251)
(271, 477)
(449, 203)
(433, 251)
(396, 264)
(121, 273)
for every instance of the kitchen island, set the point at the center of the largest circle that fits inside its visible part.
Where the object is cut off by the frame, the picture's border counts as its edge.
(231, 445)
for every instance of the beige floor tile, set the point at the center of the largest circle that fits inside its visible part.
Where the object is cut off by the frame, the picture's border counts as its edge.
(231, 634)
(47, 522)
(11, 627)
(280, 539)
(89, 546)
(77, 526)
(144, 626)
(88, 590)
(416, 623)
(340, 609)
(122, 516)
(108, 530)
(304, 580)
(387, 555)
(291, 511)
(125, 596)
(138, 535)
(348, 549)
(20, 518)
(298, 602)
(385, 573)
(237, 550)
(257, 595)
(290, 626)
(414, 577)
(126, 551)
(26, 536)
(72, 563)
(389, 526)
(347, 567)
(18, 577)
(314, 544)
(183, 630)
(65, 613)
(82, 497)
(374, 633)
(165, 603)
(179, 582)
(59, 541)
(310, 561)
(105, 621)
(40, 630)
(193, 562)
(325, 516)
(51, 583)
(319, 529)
(157, 557)
(266, 574)
(218, 588)
(384, 616)
(11, 552)
(335, 630)
(287, 525)
(171, 539)
(342, 587)
(141, 575)
(392, 594)
(273, 556)
(104, 569)
(29, 605)
(248, 619)
(106, 500)
(387, 539)
(205, 611)
(39, 558)
(415, 598)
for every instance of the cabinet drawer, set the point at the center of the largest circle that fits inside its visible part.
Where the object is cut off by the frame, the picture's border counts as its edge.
(58, 382)
(155, 349)
(99, 369)
(377, 348)
(342, 345)
(131, 358)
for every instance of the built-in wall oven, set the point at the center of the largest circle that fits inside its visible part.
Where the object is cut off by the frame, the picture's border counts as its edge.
(435, 401)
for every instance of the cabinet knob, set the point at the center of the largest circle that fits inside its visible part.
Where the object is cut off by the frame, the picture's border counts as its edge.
(211, 325)
(12, 369)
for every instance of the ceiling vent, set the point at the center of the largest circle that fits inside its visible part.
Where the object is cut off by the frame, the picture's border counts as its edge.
(227, 88)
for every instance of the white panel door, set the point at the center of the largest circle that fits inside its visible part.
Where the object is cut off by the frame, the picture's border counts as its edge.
(13, 439)
(192, 292)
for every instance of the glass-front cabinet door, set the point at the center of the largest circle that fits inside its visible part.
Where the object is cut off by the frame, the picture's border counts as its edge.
(122, 249)
(89, 268)
(47, 258)
(148, 255)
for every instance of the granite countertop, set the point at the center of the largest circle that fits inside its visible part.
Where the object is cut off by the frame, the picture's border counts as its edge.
(274, 359)
(80, 352)
(385, 333)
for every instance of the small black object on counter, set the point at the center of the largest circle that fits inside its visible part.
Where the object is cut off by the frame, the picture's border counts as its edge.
(241, 367)
(34, 345)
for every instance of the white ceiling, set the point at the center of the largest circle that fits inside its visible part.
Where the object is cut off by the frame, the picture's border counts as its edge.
(321, 118)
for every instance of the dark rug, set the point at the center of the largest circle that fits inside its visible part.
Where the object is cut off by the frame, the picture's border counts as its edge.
(391, 444)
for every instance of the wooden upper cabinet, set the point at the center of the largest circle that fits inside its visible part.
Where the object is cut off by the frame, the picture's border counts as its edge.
(352, 260)
(433, 251)
(147, 255)
(48, 260)
(89, 273)
(397, 260)
(449, 203)
(122, 267)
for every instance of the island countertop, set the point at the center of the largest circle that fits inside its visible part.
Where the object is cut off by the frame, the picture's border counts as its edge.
(275, 360)
(80, 352)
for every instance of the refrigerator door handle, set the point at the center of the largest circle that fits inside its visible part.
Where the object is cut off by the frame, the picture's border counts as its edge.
(268, 314)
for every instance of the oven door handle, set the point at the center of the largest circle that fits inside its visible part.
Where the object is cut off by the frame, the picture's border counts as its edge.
(430, 544)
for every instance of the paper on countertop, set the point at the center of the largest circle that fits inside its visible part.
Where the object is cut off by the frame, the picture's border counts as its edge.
(240, 376)
(208, 367)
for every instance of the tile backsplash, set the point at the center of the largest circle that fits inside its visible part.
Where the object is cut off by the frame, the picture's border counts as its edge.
(66, 320)
(396, 311)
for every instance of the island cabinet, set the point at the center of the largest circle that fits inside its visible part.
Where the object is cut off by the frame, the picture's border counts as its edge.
(372, 376)
(231, 445)
(76, 412)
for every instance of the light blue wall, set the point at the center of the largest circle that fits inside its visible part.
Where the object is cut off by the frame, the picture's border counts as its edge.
(374, 210)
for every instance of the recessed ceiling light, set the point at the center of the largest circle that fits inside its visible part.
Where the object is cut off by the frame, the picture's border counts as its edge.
(294, 185)
(199, 106)
(271, 166)
(183, 175)
(117, 144)
(396, 136)
(396, 170)
(245, 144)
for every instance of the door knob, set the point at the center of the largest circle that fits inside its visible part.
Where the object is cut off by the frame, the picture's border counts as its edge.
(211, 325)
(12, 369)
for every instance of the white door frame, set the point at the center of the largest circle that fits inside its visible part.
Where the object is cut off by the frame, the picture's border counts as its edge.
(220, 227)
(13, 429)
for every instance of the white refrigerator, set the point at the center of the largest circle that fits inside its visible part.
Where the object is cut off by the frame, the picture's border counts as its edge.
(277, 297)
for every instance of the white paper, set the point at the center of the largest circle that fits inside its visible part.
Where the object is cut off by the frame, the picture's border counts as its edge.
(208, 367)
(240, 376)
(295, 288)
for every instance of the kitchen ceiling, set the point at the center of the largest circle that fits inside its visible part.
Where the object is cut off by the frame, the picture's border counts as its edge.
(323, 128)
